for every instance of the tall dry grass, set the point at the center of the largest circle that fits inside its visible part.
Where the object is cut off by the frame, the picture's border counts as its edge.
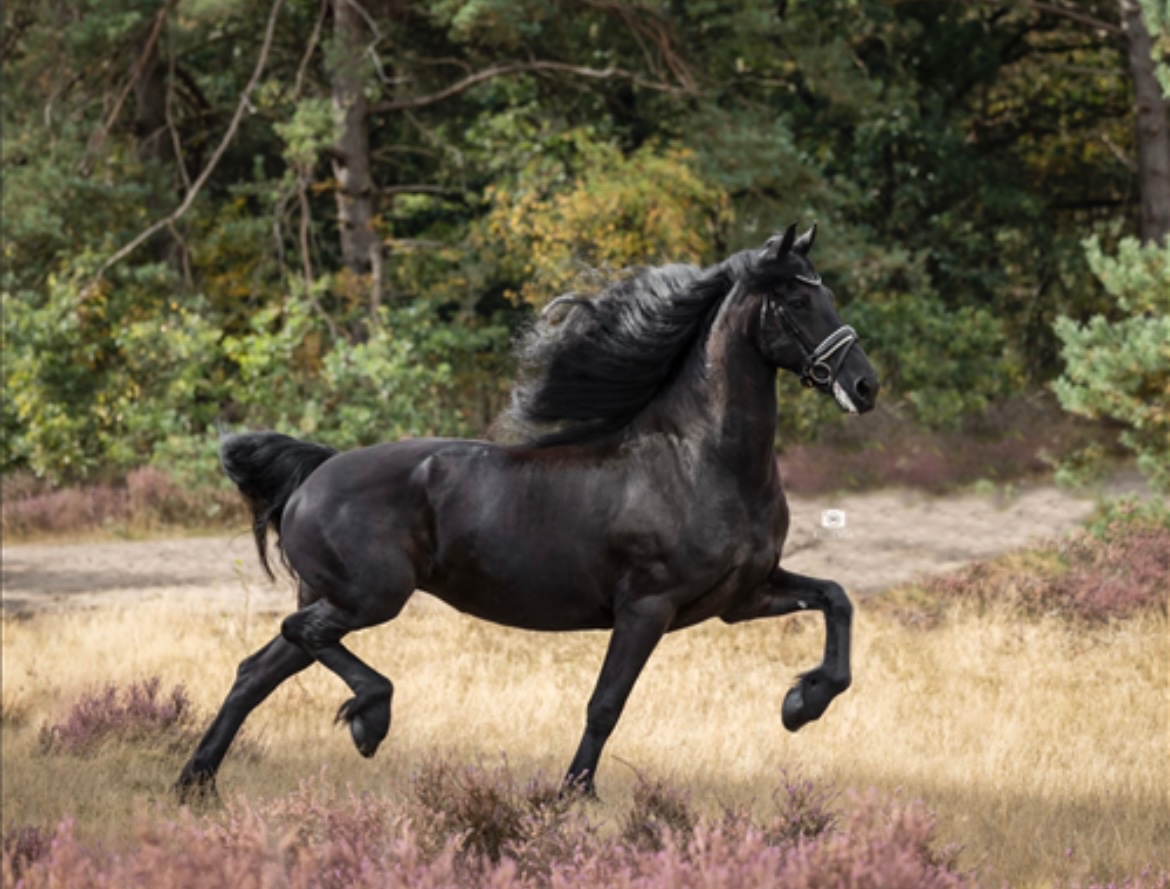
(1042, 746)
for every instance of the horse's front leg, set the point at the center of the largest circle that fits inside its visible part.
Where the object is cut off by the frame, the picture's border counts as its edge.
(787, 593)
(636, 631)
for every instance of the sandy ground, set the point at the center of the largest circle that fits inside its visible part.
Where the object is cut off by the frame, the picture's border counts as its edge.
(888, 537)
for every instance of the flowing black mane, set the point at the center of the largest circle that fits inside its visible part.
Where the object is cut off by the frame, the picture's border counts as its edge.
(588, 368)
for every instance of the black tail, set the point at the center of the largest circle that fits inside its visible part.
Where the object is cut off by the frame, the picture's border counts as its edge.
(267, 467)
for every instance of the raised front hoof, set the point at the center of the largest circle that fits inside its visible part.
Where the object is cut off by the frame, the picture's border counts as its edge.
(792, 713)
(808, 699)
(368, 725)
(195, 788)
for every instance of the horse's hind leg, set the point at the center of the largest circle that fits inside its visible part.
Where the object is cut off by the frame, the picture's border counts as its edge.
(317, 630)
(256, 679)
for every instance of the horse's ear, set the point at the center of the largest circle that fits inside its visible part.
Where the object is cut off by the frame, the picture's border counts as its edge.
(804, 242)
(779, 245)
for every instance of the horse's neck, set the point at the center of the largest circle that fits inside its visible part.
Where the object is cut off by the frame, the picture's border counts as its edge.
(723, 403)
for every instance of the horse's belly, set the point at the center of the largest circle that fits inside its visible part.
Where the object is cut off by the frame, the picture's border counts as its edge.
(520, 602)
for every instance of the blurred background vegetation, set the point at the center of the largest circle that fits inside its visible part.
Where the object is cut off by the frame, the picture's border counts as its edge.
(330, 217)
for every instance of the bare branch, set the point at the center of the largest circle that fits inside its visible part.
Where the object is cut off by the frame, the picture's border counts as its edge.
(1044, 7)
(420, 189)
(176, 142)
(314, 39)
(1074, 15)
(645, 22)
(1125, 160)
(241, 107)
(306, 257)
(417, 244)
(487, 74)
(98, 139)
(184, 254)
(372, 49)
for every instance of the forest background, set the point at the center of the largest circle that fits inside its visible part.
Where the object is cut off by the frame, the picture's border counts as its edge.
(332, 217)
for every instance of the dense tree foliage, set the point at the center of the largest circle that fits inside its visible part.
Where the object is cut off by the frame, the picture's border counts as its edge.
(330, 216)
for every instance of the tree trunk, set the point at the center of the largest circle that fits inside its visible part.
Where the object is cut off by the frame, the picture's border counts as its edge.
(1152, 127)
(361, 249)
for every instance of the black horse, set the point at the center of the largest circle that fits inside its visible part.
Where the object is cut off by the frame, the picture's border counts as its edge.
(645, 499)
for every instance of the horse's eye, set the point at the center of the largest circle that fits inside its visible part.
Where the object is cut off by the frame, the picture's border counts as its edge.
(800, 301)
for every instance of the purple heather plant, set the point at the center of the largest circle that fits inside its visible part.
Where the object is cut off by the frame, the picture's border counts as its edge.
(138, 713)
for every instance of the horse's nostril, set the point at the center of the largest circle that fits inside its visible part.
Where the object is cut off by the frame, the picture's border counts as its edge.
(863, 389)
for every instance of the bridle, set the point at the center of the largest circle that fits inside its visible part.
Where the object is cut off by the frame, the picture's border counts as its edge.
(821, 362)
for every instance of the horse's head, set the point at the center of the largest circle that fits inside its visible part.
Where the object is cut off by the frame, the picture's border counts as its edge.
(800, 330)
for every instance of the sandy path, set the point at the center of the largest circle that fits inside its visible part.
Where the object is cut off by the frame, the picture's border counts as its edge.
(888, 537)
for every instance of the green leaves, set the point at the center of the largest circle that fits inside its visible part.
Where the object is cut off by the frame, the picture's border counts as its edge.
(310, 131)
(955, 154)
(1119, 367)
(599, 209)
(945, 363)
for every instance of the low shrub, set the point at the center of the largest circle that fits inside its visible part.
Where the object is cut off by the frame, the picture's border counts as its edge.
(803, 810)
(485, 814)
(1115, 569)
(21, 847)
(315, 840)
(147, 499)
(1020, 438)
(660, 816)
(138, 713)
(1150, 878)
(318, 837)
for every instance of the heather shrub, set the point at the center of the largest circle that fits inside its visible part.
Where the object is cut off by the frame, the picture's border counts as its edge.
(64, 511)
(1016, 439)
(156, 498)
(803, 810)
(140, 713)
(1115, 569)
(880, 843)
(488, 815)
(320, 837)
(1150, 878)
(660, 815)
(315, 839)
(22, 846)
(336, 836)
(146, 499)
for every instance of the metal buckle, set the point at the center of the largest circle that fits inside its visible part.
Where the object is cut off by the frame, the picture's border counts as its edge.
(820, 373)
(818, 369)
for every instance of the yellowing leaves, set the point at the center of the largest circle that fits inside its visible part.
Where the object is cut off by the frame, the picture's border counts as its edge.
(605, 210)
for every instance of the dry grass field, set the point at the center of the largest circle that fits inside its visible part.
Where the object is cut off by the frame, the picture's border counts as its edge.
(1042, 746)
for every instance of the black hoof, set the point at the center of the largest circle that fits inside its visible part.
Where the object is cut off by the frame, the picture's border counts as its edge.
(579, 787)
(792, 714)
(809, 699)
(369, 723)
(366, 738)
(195, 788)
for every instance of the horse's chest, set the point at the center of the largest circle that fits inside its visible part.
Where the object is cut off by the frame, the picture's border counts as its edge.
(741, 542)
(703, 557)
